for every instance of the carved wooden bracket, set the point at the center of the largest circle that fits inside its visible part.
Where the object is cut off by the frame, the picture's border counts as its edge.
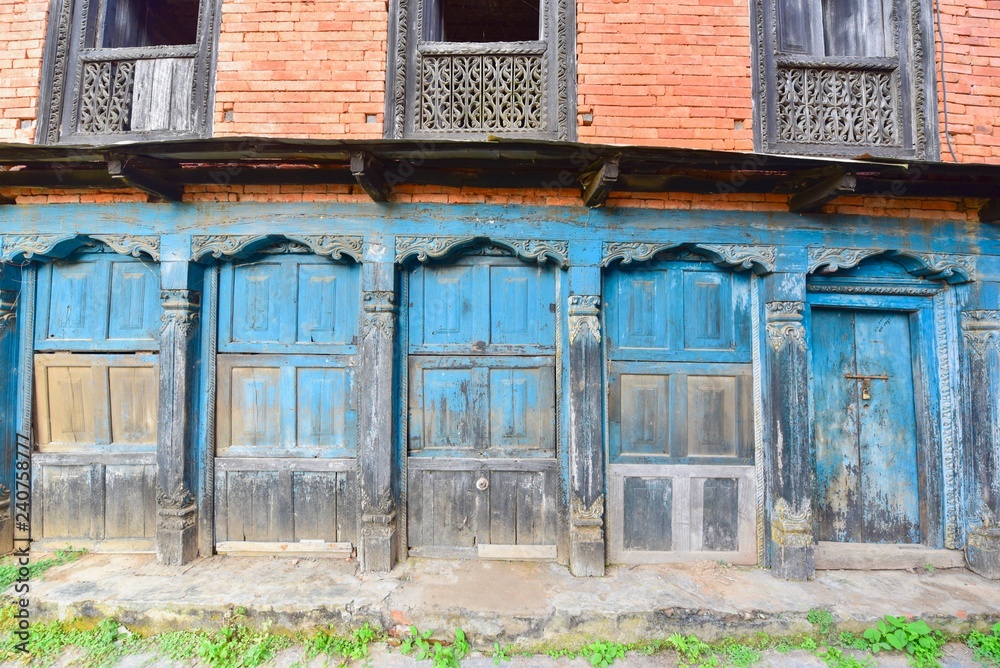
(22, 248)
(989, 212)
(424, 249)
(241, 246)
(935, 266)
(760, 259)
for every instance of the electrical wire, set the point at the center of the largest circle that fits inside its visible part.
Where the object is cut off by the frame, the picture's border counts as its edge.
(944, 90)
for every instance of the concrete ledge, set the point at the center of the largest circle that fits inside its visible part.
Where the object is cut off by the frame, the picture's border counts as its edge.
(531, 604)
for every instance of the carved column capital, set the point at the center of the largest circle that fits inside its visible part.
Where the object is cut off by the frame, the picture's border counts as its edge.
(981, 331)
(8, 309)
(588, 521)
(180, 310)
(379, 313)
(583, 317)
(783, 321)
(791, 527)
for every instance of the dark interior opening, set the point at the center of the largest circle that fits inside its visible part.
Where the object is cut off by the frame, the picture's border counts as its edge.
(135, 23)
(482, 20)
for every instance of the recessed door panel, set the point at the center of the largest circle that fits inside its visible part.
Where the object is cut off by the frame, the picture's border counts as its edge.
(865, 426)
(257, 301)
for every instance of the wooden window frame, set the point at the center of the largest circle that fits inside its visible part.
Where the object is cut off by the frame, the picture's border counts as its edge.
(552, 57)
(63, 65)
(908, 77)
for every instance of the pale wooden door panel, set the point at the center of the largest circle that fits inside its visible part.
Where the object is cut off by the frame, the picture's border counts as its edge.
(130, 501)
(134, 396)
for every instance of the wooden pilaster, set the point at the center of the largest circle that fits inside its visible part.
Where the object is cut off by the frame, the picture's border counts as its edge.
(176, 530)
(9, 293)
(786, 417)
(376, 390)
(586, 434)
(981, 339)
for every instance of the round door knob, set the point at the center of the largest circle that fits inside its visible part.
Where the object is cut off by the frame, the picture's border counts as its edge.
(482, 484)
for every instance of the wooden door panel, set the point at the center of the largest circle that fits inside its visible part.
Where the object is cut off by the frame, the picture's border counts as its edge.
(257, 303)
(134, 395)
(708, 310)
(672, 513)
(253, 507)
(456, 505)
(450, 305)
(639, 307)
(645, 414)
(713, 416)
(101, 302)
(130, 501)
(522, 409)
(522, 306)
(286, 406)
(888, 431)
(327, 304)
(72, 501)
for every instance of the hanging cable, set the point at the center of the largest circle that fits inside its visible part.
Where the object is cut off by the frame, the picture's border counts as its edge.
(944, 90)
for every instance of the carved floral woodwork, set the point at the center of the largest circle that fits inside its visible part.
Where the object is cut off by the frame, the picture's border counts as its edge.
(424, 249)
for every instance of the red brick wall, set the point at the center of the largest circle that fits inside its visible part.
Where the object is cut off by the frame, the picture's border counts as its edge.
(293, 68)
(662, 73)
(971, 30)
(22, 38)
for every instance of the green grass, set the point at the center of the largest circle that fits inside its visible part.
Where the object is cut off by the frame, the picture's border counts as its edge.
(9, 568)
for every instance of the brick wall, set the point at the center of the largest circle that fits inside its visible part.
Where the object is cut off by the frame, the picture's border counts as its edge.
(971, 30)
(294, 68)
(22, 38)
(661, 73)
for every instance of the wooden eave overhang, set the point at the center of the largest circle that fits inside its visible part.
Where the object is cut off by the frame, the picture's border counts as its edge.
(162, 168)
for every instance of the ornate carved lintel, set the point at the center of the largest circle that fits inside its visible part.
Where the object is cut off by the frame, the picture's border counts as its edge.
(20, 248)
(428, 248)
(583, 317)
(784, 325)
(761, 259)
(791, 527)
(180, 309)
(835, 259)
(238, 246)
(981, 331)
(8, 309)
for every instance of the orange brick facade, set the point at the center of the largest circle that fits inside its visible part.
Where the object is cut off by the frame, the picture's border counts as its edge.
(649, 72)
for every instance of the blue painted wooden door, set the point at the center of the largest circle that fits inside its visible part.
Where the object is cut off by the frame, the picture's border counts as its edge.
(865, 426)
(95, 404)
(680, 417)
(286, 423)
(481, 436)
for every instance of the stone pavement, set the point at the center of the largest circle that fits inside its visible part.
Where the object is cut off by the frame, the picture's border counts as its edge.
(532, 605)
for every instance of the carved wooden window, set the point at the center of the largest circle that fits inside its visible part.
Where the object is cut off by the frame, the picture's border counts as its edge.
(846, 77)
(135, 68)
(469, 68)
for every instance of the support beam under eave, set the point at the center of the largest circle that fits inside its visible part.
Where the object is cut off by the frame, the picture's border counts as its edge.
(598, 185)
(989, 212)
(144, 181)
(814, 197)
(370, 174)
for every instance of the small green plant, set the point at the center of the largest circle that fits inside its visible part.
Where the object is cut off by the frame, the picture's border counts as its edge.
(179, 645)
(929, 567)
(500, 653)
(604, 652)
(821, 619)
(692, 650)
(740, 655)
(354, 646)
(835, 658)
(422, 646)
(914, 638)
(986, 647)
(236, 646)
(10, 569)
(809, 644)
(850, 641)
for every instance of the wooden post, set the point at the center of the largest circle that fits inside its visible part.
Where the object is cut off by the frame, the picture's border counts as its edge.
(376, 391)
(9, 294)
(981, 338)
(586, 422)
(176, 530)
(786, 407)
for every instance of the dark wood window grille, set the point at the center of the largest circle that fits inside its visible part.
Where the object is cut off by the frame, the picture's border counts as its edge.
(468, 68)
(127, 68)
(845, 77)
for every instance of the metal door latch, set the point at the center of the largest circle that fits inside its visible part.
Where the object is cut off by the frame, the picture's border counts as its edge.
(866, 382)
(482, 484)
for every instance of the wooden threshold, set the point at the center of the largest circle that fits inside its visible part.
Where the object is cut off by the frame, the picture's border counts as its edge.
(870, 556)
(312, 548)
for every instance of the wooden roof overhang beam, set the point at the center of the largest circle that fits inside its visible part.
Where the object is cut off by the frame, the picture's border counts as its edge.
(597, 184)
(128, 171)
(989, 212)
(812, 198)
